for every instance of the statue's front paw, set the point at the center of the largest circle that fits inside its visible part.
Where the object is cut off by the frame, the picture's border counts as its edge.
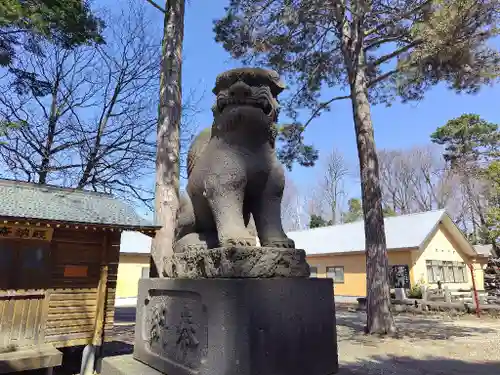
(286, 243)
(238, 241)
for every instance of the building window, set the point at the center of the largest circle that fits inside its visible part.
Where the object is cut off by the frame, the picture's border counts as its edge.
(7, 258)
(25, 264)
(145, 272)
(336, 273)
(33, 258)
(314, 271)
(446, 271)
(460, 271)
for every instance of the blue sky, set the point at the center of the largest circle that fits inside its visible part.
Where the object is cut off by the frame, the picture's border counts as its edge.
(400, 126)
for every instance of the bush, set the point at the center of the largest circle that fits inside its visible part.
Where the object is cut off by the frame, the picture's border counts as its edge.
(415, 292)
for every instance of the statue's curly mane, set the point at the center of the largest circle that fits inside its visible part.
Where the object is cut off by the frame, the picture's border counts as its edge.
(272, 132)
(265, 87)
(253, 77)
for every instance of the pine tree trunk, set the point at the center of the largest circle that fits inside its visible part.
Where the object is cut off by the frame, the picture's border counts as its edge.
(167, 151)
(379, 316)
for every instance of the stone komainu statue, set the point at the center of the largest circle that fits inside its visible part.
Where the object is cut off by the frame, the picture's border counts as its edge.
(233, 172)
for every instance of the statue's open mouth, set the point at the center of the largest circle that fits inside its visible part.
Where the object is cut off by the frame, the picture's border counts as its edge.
(228, 103)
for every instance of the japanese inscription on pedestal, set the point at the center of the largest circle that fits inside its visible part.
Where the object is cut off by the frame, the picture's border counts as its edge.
(186, 331)
(173, 331)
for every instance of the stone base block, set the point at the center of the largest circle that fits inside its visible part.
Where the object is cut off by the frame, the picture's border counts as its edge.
(282, 326)
(126, 365)
(222, 262)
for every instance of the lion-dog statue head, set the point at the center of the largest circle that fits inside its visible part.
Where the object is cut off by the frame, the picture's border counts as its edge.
(247, 100)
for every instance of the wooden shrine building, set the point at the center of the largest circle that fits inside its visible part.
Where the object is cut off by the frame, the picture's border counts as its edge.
(59, 251)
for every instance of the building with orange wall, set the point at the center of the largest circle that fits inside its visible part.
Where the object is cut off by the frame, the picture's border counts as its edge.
(428, 245)
(133, 265)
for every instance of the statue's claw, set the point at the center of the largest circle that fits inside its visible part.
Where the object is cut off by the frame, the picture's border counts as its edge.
(238, 241)
(284, 243)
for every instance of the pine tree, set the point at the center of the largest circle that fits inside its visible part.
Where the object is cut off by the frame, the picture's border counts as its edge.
(377, 50)
(355, 211)
(317, 221)
(66, 22)
(472, 147)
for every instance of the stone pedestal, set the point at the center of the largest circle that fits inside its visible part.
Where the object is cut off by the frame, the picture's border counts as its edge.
(400, 294)
(280, 326)
(237, 262)
(233, 311)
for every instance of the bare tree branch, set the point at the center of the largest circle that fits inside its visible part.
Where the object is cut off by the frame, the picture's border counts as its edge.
(333, 185)
(292, 212)
(95, 126)
(323, 106)
(157, 6)
(415, 180)
(328, 196)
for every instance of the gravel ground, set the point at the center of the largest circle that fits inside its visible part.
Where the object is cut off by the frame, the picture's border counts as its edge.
(426, 346)
(430, 345)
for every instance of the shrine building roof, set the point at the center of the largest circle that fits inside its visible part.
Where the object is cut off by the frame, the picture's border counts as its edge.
(28, 201)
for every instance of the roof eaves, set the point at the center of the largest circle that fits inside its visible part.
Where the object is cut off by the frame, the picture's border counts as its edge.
(134, 254)
(348, 252)
(133, 227)
(450, 225)
(432, 231)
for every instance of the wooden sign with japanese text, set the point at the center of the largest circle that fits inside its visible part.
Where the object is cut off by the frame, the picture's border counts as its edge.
(26, 232)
